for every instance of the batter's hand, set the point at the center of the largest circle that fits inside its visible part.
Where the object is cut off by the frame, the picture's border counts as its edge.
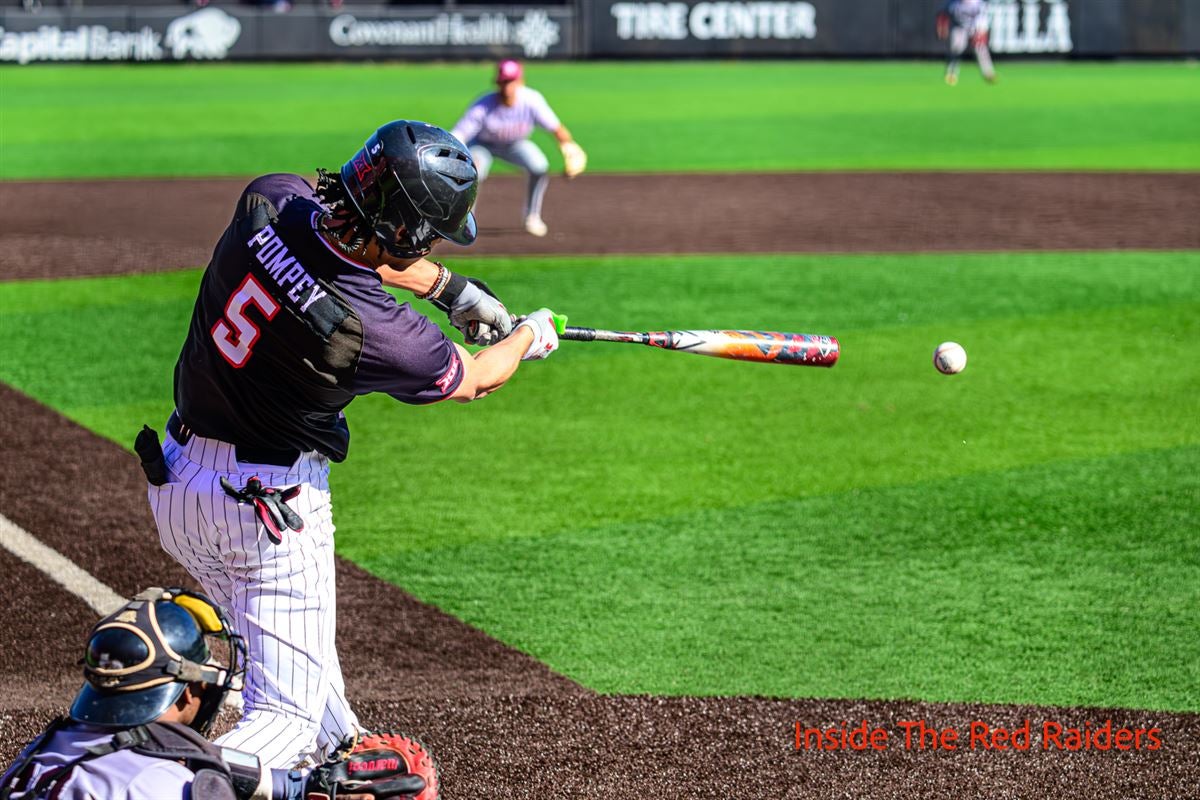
(479, 314)
(545, 334)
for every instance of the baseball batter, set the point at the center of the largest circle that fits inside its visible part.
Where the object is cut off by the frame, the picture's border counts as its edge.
(961, 22)
(293, 322)
(498, 125)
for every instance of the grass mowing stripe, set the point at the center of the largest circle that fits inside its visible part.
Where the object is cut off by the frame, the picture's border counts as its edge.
(660, 433)
(1073, 356)
(1076, 583)
(76, 121)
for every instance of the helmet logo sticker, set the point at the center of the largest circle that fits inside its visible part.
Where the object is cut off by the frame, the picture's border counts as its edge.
(362, 167)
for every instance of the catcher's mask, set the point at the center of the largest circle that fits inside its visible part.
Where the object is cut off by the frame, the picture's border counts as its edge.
(414, 183)
(140, 658)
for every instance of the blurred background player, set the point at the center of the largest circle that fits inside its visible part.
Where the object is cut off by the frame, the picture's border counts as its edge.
(498, 125)
(961, 22)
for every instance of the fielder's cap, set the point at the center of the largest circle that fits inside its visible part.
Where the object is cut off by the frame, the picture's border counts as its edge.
(509, 70)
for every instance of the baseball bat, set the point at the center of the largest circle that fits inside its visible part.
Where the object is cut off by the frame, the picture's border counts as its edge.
(765, 347)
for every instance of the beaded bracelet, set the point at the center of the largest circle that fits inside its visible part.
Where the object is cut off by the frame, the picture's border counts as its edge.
(439, 285)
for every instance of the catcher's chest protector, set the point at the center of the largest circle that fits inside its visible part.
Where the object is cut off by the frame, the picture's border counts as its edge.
(168, 740)
(177, 742)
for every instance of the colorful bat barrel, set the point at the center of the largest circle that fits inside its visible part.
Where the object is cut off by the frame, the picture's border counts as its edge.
(767, 347)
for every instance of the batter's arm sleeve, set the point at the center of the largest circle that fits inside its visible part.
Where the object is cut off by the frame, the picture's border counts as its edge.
(408, 357)
(543, 115)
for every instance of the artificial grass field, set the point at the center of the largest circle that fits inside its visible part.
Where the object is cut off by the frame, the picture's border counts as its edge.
(652, 522)
(209, 119)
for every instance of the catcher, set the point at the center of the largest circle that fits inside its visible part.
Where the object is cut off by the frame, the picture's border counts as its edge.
(498, 125)
(136, 730)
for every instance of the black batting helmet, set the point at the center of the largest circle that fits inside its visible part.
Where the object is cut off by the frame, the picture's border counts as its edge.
(140, 658)
(414, 183)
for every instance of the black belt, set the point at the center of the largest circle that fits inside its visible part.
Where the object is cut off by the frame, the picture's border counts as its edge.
(285, 457)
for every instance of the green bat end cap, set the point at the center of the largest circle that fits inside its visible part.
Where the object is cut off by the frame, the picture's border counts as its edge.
(560, 323)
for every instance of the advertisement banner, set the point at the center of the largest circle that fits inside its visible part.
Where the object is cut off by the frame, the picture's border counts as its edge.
(1030, 26)
(637, 27)
(212, 33)
(436, 33)
(592, 28)
(118, 34)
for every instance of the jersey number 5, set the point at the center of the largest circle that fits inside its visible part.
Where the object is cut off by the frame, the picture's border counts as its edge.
(236, 334)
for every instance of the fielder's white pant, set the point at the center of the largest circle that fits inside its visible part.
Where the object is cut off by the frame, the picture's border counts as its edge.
(280, 597)
(524, 154)
(959, 39)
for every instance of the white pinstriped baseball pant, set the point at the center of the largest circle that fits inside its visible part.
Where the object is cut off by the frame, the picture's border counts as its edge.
(960, 37)
(280, 597)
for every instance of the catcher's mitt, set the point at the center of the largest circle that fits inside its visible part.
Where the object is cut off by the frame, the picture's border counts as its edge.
(376, 765)
(574, 159)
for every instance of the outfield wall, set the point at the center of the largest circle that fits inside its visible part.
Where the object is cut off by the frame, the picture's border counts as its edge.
(585, 29)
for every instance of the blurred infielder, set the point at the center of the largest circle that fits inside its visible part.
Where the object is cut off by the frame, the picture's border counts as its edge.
(498, 125)
(962, 22)
(293, 322)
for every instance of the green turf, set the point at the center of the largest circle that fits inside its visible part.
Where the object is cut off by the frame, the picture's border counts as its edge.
(79, 121)
(645, 521)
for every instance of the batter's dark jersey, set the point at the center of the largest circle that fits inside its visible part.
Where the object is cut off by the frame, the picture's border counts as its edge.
(286, 332)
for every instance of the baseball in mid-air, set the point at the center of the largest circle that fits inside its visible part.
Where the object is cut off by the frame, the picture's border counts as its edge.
(950, 358)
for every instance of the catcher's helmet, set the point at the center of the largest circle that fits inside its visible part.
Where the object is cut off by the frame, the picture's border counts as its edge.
(414, 183)
(140, 658)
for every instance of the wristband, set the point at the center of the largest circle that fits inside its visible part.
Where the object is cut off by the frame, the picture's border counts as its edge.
(450, 288)
(439, 283)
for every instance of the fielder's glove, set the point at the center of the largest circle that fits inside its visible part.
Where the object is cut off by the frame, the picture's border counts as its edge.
(376, 765)
(545, 334)
(574, 159)
(472, 307)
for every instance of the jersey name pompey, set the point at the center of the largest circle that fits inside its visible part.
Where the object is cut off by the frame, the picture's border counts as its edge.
(272, 253)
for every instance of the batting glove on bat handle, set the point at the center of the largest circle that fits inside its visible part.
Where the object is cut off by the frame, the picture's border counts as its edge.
(545, 325)
(474, 310)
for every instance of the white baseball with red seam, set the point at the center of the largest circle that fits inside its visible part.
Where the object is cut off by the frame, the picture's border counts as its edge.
(950, 358)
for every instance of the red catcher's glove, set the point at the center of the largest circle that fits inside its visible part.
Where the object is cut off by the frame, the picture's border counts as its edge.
(376, 765)
(943, 25)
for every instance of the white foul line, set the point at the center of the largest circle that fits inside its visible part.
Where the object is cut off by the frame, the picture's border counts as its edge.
(58, 568)
(63, 571)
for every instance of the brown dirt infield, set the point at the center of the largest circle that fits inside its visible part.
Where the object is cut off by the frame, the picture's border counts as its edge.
(501, 723)
(105, 227)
